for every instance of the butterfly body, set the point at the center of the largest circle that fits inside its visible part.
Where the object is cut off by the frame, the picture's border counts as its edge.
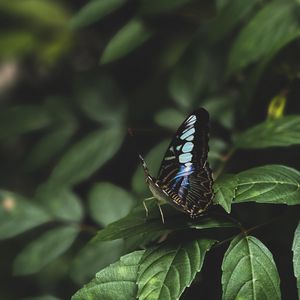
(185, 179)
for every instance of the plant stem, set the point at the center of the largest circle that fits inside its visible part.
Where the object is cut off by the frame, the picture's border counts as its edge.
(224, 162)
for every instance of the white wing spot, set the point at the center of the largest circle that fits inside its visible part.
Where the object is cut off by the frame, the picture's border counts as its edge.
(190, 138)
(185, 157)
(187, 147)
(187, 133)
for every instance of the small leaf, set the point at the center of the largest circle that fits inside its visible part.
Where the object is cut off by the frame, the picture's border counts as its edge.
(18, 215)
(230, 15)
(169, 118)
(274, 26)
(221, 110)
(44, 13)
(44, 250)
(48, 146)
(296, 256)
(225, 189)
(277, 106)
(165, 271)
(153, 160)
(197, 72)
(85, 157)
(94, 11)
(280, 132)
(137, 223)
(249, 271)
(109, 203)
(22, 119)
(274, 184)
(131, 36)
(61, 204)
(216, 148)
(118, 281)
(94, 257)
(101, 101)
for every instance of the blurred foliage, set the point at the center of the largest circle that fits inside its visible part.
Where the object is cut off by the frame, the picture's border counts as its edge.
(75, 76)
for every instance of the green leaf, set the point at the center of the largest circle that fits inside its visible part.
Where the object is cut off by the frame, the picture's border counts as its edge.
(274, 184)
(44, 250)
(221, 109)
(15, 44)
(137, 223)
(85, 157)
(94, 11)
(100, 100)
(274, 26)
(216, 148)
(45, 13)
(94, 257)
(18, 214)
(22, 119)
(48, 146)
(118, 281)
(165, 271)
(169, 118)
(196, 73)
(61, 204)
(153, 160)
(296, 256)
(225, 189)
(109, 203)
(281, 132)
(160, 6)
(230, 15)
(249, 271)
(131, 36)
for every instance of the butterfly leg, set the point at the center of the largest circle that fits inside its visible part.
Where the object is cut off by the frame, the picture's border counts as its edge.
(161, 213)
(145, 206)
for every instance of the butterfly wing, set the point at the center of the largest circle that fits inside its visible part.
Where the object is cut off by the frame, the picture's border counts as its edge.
(184, 173)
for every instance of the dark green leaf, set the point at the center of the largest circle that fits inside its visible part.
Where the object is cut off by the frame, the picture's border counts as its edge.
(18, 214)
(274, 26)
(216, 148)
(281, 132)
(118, 281)
(296, 256)
(109, 203)
(48, 146)
(131, 36)
(169, 118)
(61, 204)
(94, 257)
(45, 13)
(196, 72)
(101, 101)
(274, 184)
(88, 155)
(44, 250)
(22, 119)
(249, 271)
(160, 6)
(230, 15)
(153, 160)
(165, 271)
(137, 223)
(94, 11)
(221, 109)
(225, 189)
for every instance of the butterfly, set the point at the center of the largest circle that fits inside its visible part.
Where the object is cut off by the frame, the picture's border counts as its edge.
(185, 178)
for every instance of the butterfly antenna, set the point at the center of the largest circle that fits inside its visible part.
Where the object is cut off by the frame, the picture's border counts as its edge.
(146, 170)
